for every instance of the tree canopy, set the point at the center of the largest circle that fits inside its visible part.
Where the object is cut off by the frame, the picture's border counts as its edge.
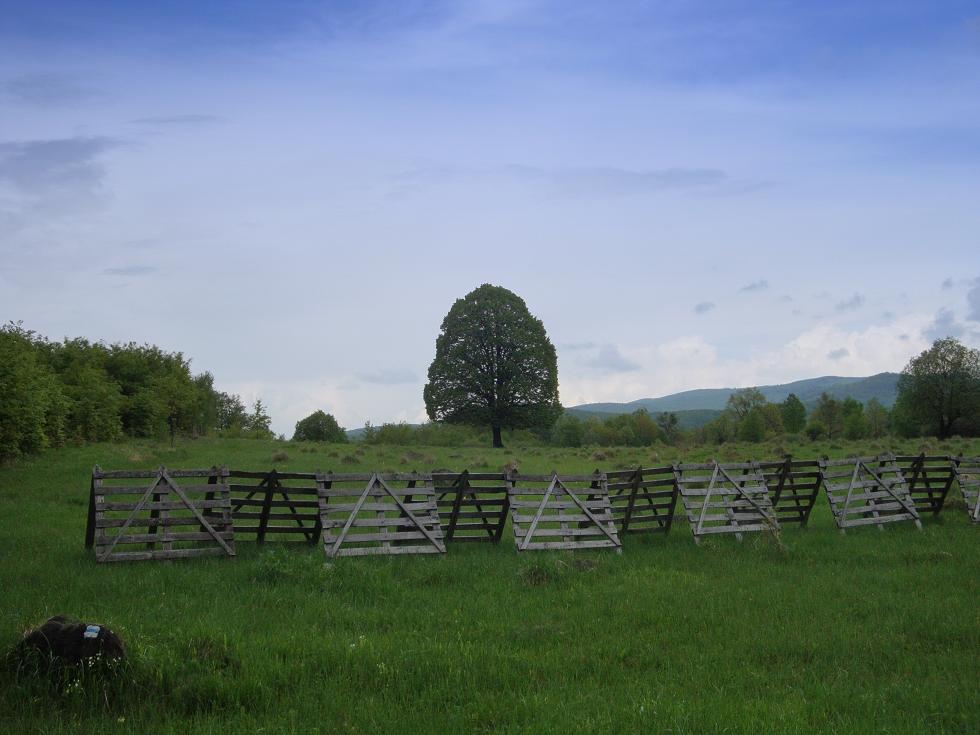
(939, 389)
(319, 427)
(494, 365)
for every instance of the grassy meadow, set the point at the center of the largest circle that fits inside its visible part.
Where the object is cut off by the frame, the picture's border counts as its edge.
(868, 632)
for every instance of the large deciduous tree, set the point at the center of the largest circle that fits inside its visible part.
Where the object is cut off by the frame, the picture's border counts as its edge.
(940, 389)
(494, 366)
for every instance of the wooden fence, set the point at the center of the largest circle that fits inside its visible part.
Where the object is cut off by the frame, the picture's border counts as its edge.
(388, 514)
(570, 512)
(169, 519)
(793, 488)
(725, 498)
(869, 491)
(422, 511)
(642, 500)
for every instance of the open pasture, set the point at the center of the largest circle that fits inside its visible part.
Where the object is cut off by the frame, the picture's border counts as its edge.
(868, 632)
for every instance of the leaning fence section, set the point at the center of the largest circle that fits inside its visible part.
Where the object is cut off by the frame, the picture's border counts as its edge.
(929, 479)
(967, 473)
(642, 500)
(725, 499)
(793, 488)
(379, 514)
(869, 491)
(472, 505)
(282, 504)
(570, 512)
(140, 515)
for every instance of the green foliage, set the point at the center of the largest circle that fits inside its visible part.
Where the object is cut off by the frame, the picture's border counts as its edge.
(568, 431)
(828, 416)
(752, 427)
(670, 426)
(854, 425)
(794, 414)
(84, 391)
(743, 401)
(939, 390)
(33, 406)
(494, 365)
(319, 427)
(876, 417)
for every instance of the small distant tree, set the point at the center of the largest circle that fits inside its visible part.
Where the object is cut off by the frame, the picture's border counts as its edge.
(794, 414)
(876, 418)
(568, 431)
(494, 366)
(258, 423)
(741, 402)
(828, 415)
(940, 389)
(670, 425)
(319, 427)
(852, 419)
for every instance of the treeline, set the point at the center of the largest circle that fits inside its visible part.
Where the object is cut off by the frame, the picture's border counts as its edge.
(57, 392)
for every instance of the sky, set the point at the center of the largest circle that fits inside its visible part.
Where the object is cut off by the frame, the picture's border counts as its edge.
(688, 194)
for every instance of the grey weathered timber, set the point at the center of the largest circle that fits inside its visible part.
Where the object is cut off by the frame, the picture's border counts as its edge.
(170, 519)
(472, 507)
(725, 499)
(281, 503)
(566, 513)
(929, 477)
(869, 491)
(967, 473)
(643, 500)
(793, 488)
(382, 518)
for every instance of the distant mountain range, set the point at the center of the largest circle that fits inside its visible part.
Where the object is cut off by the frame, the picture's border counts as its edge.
(697, 407)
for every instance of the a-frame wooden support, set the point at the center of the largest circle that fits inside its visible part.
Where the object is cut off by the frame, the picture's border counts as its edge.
(159, 516)
(379, 519)
(556, 517)
(725, 499)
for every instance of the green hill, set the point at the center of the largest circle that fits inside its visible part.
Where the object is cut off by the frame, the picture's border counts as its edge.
(883, 386)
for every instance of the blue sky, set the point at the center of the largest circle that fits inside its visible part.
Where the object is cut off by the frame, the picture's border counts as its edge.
(689, 194)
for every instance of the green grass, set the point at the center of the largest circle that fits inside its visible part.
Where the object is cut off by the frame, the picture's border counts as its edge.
(868, 632)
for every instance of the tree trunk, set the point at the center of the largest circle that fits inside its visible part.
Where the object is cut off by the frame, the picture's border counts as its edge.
(497, 442)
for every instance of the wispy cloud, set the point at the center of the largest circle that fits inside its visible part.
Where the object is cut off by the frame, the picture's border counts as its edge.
(704, 307)
(39, 166)
(577, 181)
(760, 285)
(49, 90)
(855, 302)
(944, 325)
(389, 376)
(131, 270)
(838, 354)
(609, 359)
(947, 284)
(973, 301)
(576, 346)
(178, 120)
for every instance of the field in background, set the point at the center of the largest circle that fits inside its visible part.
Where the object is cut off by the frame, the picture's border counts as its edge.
(868, 632)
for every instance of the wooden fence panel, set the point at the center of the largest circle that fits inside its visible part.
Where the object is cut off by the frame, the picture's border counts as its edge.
(643, 500)
(725, 499)
(869, 491)
(570, 512)
(793, 488)
(372, 514)
(152, 510)
(472, 505)
(967, 473)
(285, 504)
(929, 479)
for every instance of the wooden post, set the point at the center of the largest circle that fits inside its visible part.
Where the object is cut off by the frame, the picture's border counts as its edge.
(271, 480)
(90, 523)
